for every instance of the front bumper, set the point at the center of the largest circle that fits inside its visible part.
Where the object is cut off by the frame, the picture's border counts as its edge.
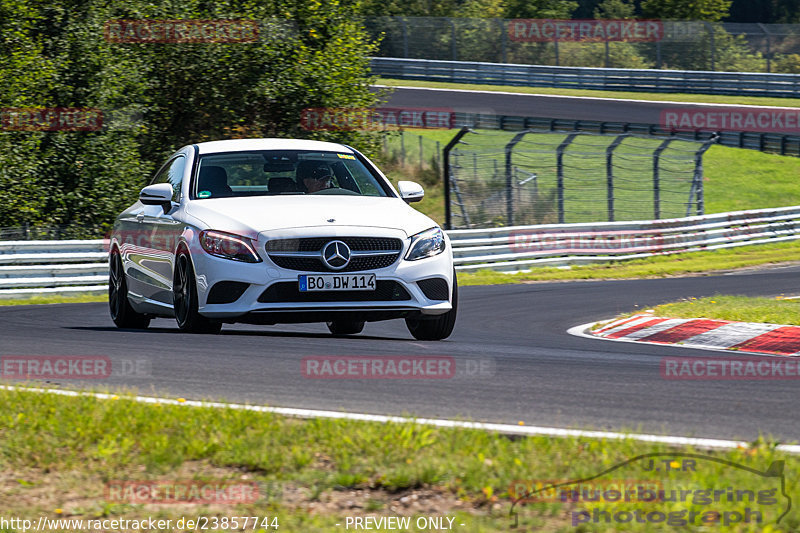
(253, 306)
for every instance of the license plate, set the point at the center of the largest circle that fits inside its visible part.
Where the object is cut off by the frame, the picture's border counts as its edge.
(337, 282)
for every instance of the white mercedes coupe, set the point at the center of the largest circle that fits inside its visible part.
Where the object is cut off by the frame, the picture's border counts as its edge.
(269, 231)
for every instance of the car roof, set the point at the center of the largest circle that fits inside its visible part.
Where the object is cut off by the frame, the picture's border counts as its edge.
(246, 145)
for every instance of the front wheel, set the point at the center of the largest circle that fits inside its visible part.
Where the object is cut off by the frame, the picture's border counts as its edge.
(438, 328)
(184, 299)
(345, 327)
(122, 313)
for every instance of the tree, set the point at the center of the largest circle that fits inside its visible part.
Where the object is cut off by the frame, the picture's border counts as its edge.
(709, 10)
(615, 9)
(540, 9)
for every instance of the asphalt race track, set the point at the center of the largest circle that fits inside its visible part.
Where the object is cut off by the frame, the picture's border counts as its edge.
(536, 105)
(533, 370)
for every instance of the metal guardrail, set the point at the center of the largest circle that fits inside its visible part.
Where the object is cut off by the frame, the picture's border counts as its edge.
(54, 267)
(519, 248)
(609, 79)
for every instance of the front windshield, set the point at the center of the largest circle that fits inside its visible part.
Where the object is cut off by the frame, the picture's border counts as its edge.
(284, 172)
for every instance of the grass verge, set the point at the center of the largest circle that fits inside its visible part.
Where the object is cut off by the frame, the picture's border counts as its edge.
(59, 299)
(616, 95)
(736, 308)
(694, 263)
(59, 453)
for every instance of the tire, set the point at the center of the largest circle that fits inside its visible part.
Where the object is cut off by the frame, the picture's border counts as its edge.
(345, 327)
(184, 298)
(438, 328)
(120, 308)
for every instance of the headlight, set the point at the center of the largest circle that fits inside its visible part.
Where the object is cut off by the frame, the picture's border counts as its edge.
(426, 244)
(229, 246)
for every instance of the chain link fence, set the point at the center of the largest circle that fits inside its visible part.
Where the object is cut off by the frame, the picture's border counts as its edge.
(683, 45)
(543, 177)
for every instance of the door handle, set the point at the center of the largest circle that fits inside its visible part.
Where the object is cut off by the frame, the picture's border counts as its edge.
(140, 218)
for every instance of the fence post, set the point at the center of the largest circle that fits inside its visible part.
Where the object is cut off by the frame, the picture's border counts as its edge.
(768, 55)
(503, 40)
(510, 177)
(402, 148)
(421, 156)
(607, 60)
(657, 177)
(658, 55)
(453, 44)
(710, 29)
(697, 182)
(555, 43)
(446, 155)
(404, 25)
(610, 174)
(560, 173)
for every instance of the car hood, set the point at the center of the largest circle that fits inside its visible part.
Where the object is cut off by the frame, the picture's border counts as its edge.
(258, 214)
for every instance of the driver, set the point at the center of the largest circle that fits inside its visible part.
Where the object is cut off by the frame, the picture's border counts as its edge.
(319, 178)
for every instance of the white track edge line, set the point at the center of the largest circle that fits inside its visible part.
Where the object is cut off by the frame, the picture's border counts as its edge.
(563, 96)
(500, 428)
(580, 331)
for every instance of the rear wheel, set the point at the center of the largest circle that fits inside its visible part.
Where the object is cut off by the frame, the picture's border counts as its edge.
(122, 313)
(438, 328)
(345, 327)
(184, 290)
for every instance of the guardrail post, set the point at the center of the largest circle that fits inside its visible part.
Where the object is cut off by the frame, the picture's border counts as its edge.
(446, 156)
(510, 177)
(610, 174)
(657, 178)
(560, 173)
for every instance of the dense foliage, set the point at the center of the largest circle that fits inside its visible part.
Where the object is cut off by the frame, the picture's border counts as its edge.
(157, 97)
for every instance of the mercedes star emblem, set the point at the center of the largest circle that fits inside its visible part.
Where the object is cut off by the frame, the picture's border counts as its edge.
(336, 255)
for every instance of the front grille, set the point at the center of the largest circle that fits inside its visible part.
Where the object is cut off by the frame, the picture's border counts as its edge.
(287, 291)
(434, 288)
(313, 264)
(315, 244)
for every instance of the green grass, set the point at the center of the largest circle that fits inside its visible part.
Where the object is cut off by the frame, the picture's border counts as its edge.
(695, 263)
(736, 308)
(60, 299)
(673, 97)
(57, 452)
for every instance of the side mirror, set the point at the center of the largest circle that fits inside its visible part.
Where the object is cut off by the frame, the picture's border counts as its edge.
(158, 194)
(410, 191)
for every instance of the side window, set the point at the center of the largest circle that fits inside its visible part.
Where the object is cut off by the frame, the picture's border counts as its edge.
(172, 174)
